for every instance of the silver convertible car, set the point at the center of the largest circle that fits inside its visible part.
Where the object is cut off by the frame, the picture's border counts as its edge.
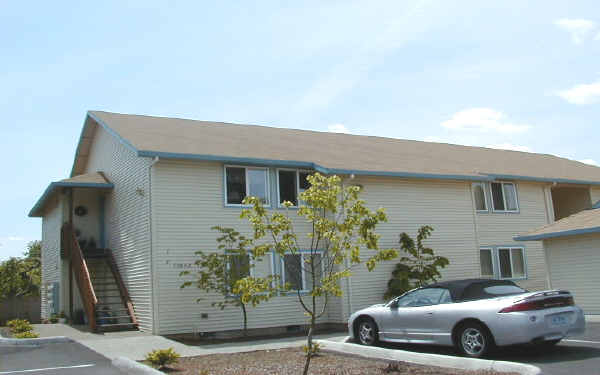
(472, 315)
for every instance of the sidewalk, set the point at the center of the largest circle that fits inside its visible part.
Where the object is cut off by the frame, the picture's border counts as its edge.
(134, 344)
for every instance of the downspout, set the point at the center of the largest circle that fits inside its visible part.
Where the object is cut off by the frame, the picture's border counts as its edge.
(348, 279)
(154, 301)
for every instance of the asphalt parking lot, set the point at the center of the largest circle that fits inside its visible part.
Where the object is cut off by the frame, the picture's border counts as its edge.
(575, 356)
(54, 359)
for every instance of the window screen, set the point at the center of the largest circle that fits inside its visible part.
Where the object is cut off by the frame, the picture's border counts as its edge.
(236, 185)
(287, 187)
(239, 267)
(257, 184)
(487, 264)
(510, 196)
(518, 263)
(292, 264)
(479, 192)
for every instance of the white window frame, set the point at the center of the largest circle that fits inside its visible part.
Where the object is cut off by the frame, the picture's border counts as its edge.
(485, 196)
(496, 262)
(302, 263)
(298, 171)
(512, 270)
(502, 183)
(245, 167)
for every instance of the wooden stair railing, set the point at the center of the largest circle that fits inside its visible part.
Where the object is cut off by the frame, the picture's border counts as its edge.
(121, 285)
(82, 275)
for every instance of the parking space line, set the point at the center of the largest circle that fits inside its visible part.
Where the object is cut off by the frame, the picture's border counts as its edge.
(46, 369)
(583, 341)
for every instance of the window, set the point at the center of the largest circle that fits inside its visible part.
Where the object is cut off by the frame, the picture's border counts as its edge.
(503, 262)
(479, 196)
(242, 181)
(504, 196)
(296, 270)
(487, 264)
(238, 267)
(290, 183)
(424, 297)
(512, 263)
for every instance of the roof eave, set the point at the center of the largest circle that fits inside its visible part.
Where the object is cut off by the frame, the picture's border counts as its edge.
(565, 233)
(41, 202)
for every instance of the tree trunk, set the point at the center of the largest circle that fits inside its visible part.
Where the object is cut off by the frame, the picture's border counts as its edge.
(245, 331)
(310, 345)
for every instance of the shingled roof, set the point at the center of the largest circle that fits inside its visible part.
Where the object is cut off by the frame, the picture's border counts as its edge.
(587, 221)
(326, 152)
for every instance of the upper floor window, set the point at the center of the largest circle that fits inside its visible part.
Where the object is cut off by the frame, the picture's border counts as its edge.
(479, 196)
(504, 196)
(290, 183)
(246, 181)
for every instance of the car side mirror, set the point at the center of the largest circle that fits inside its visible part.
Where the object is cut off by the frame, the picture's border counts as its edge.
(394, 305)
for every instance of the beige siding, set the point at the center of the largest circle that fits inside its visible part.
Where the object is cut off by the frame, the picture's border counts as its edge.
(498, 229)
(187, 200)
(574, 263)
(127, 217)
(595, 193)
(51, 263)
(410, 204)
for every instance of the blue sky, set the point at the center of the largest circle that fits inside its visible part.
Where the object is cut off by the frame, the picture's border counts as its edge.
(520, 75)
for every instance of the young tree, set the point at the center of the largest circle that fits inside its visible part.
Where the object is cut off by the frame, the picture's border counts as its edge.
(227, 272)
(340, 226)
(419, 267)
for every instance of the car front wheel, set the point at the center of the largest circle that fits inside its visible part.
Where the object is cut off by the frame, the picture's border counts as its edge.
(473, 340)
(367, 332)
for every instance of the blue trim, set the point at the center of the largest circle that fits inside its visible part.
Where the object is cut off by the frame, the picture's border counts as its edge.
(55, 185)
(101, 217)
(540, 179)
(105, 127)
(305, 165)
(572, 232)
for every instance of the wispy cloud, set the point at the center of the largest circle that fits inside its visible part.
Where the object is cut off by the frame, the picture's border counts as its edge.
(483, 119)
(590, 162)
(510, 146)
(582, 94)
(338, 128)
(15, 238)
(579, 28)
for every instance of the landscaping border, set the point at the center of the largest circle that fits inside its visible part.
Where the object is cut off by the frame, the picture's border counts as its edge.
(33, 342)
(131, 367)
(428, 359)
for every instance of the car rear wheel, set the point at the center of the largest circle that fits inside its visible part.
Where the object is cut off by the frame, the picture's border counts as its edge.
(367, 332)
(474, 340)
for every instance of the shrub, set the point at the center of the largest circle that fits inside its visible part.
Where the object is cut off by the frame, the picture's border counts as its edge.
(313, 351)
(19, 326)
(26, 335)
(162, 357)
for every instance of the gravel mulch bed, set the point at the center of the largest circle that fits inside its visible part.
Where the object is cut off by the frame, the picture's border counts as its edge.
(291, 361)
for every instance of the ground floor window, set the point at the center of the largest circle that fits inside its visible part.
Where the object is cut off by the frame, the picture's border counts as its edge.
(503, 262)
(296, 270)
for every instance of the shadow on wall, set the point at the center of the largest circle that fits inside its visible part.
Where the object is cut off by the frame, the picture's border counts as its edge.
(21, 307)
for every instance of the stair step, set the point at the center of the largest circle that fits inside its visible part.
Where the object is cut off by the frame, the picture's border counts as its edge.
(113, 317)
(110, 304)
(117, 327)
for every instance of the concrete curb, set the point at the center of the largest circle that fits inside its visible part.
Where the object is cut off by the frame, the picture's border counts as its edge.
(429, 359)
(132, 367)
(34, 342)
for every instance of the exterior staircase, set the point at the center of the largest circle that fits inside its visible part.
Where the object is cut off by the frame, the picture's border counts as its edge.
(113, 311)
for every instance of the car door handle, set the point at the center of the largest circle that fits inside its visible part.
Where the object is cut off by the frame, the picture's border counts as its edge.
(429, 313)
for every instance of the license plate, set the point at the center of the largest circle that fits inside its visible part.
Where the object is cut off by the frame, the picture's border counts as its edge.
(559, 320)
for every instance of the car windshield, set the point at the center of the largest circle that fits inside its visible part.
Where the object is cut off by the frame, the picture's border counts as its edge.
(423, 297)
